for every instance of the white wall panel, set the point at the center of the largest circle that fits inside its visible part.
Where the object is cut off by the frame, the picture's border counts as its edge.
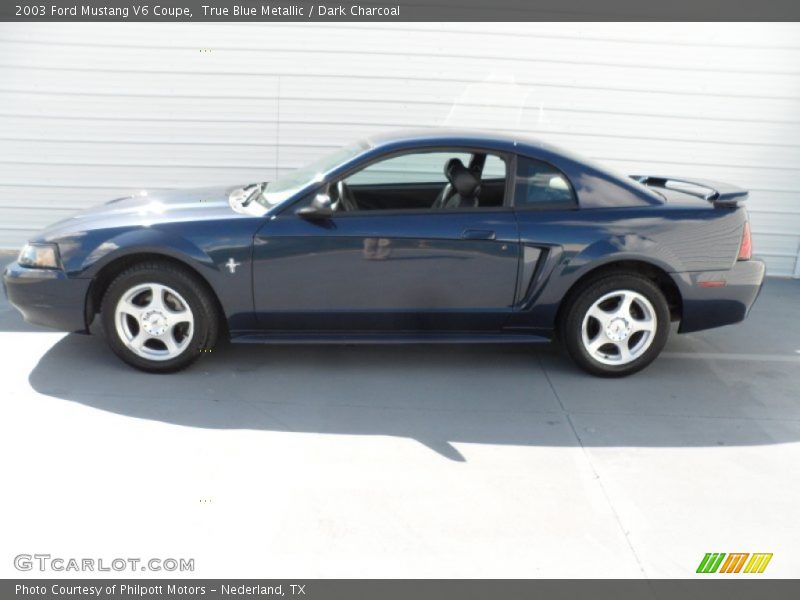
(93, 111)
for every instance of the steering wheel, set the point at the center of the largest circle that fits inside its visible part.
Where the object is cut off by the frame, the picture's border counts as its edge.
(346, 196)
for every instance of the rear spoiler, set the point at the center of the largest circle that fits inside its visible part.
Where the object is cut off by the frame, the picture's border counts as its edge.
(719, 194)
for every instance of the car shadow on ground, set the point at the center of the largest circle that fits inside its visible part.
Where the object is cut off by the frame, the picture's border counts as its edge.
(438, 395)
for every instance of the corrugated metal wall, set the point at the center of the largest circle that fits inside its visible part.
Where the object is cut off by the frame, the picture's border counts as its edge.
(91, 112)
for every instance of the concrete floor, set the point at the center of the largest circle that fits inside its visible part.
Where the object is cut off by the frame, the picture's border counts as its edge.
(439, 461)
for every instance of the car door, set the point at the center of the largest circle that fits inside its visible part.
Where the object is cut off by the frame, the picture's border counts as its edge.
(388, 269)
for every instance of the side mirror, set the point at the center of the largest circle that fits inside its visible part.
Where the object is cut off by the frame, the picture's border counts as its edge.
(320, 208)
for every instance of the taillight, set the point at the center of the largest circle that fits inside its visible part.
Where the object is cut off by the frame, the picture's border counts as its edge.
(746, 249)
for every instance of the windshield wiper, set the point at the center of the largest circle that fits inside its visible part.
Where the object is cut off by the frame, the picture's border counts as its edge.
(257, 190)
(244, 196)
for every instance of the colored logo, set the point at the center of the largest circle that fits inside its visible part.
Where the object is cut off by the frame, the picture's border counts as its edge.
(719, 562)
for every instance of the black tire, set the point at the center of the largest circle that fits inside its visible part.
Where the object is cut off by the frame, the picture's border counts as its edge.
(200, 302)
(572, 319)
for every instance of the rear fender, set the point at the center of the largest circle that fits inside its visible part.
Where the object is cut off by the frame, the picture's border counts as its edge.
(540, 309)
(620, 248)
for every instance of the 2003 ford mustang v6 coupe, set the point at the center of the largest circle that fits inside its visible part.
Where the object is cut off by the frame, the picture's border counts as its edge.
(412, 237)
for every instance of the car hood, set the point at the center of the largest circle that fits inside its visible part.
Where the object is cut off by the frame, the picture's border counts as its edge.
(147, 208)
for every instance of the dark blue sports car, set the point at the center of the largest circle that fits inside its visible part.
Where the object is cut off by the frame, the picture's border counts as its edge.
(413, 237)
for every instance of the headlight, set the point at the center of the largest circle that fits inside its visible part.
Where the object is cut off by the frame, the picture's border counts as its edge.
(41, 256)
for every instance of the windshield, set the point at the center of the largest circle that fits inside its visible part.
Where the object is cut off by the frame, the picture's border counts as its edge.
(287, 185)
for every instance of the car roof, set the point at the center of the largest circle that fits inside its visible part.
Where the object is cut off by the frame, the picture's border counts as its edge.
(412, 137)
(504, 142)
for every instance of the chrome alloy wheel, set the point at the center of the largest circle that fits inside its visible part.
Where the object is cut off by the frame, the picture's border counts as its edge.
(154, 321)
(619, 327)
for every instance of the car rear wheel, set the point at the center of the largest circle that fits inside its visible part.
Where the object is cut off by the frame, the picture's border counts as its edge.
(158, 317)
(616, 325)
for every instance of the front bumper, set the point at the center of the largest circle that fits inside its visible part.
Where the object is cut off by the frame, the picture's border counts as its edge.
(47, 297)
(716, 298)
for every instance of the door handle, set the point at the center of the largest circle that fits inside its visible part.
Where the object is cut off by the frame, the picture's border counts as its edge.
(477, 234)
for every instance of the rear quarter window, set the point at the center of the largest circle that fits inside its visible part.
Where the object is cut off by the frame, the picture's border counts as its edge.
(540, 186)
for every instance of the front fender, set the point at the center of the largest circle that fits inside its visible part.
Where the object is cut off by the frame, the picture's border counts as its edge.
(204, 249)
(150, 241)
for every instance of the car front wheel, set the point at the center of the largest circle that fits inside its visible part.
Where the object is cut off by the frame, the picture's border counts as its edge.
(158, 317)
(616, 325)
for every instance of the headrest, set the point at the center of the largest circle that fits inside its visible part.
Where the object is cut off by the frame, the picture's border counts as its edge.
(461, 178)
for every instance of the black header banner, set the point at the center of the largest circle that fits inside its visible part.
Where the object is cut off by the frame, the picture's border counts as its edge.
(399, 589)
(398, 10)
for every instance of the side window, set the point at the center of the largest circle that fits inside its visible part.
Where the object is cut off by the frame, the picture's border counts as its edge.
(421, 167)
(495, 168)
(417, 181)
(541, 186)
